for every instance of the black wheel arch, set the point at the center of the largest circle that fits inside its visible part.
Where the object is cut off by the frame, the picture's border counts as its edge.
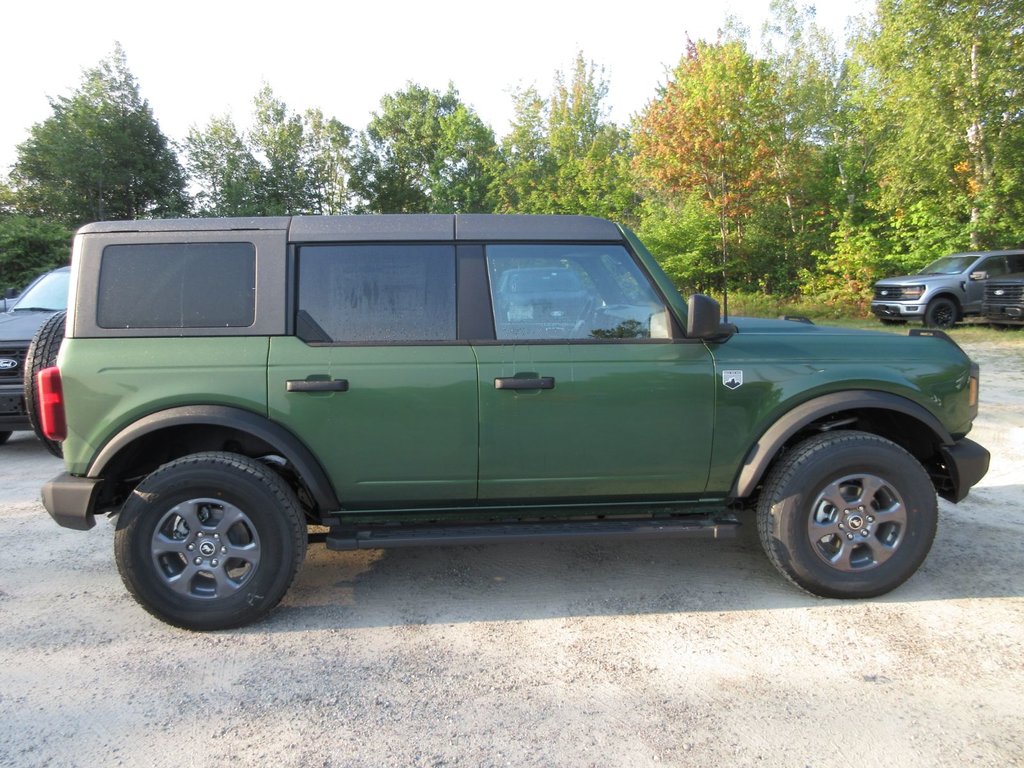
(897, 418)
(164, 436)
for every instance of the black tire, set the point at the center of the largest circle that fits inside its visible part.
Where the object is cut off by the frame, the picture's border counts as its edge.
(210, 541)
(42, 353)
(941, 313)
(4, 436)
(868, 543)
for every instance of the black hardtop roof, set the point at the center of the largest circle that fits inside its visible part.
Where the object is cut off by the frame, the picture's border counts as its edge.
(388, 227)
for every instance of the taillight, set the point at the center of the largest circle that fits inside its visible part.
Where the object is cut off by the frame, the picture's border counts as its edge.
(51, 404)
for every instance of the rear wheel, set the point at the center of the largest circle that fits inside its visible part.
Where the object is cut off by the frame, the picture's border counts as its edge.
(210, 541)
(42, 353)
(941, 313)
(847, 514)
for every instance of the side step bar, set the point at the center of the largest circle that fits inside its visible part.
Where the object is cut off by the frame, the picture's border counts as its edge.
(394, 536)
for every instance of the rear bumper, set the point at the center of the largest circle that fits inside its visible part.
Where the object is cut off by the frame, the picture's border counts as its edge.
(966, 462)
(71, 501)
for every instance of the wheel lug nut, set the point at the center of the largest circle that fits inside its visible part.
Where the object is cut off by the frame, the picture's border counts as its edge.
(849, 535)
(190, 547)
(871, 519)
(199, 535)
(198, 561)
(216, 535)
(213, 563)
(860, 508)
(865, 533)
(223, 550)
(842, 527)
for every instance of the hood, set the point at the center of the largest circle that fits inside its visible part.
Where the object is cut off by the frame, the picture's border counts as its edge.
(917, 280)
(21, 326)
(755, 325)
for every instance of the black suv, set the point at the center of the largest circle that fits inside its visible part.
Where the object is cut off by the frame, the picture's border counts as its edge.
(1004, 300)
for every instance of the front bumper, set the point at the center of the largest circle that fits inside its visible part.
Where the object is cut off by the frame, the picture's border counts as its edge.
(13, 416)
(892, 310)
(71, 501)
(966, 462)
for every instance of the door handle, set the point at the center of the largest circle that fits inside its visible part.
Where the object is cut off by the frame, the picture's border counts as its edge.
(317, 385)
(513, 382)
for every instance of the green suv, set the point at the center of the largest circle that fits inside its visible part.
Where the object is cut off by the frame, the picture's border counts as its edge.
(223, 385)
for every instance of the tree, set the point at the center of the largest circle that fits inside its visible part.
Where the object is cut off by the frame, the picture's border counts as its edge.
(328, 163)
(424, 152)
(28, 247)
(562, 155)
(101, 155)
(711, 131)
(277, 138)
(224, 170)
(941, 87)
(285, 164)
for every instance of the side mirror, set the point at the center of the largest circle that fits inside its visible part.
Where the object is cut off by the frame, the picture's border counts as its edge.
(704, 319)
(979, 275)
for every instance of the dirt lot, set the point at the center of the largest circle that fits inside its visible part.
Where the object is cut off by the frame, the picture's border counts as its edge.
(569, 654)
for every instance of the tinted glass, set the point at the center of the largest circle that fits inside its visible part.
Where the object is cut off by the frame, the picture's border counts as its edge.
(572, 292)
(385, 293)
(177, 285)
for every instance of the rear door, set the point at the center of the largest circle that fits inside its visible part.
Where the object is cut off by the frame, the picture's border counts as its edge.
(374, 381)
(585, 394)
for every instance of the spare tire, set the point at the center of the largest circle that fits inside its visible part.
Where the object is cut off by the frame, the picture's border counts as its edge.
(42, 353)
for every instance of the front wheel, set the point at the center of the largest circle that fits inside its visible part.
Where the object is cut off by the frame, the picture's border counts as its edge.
(941, 313)
(210, 541)
(847, 515)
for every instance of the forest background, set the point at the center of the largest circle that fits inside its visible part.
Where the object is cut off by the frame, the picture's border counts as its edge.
(795, 171)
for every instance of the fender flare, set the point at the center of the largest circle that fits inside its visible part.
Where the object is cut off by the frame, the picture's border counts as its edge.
(761, 454)
(290, 447)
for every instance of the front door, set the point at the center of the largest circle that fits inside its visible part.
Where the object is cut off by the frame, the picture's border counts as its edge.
(584, 394)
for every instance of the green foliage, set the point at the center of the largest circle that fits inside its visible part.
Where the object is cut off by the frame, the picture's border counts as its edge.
(100, 155)
(561, 155)
(29, 247)
(682, 238)
(224, 170)
(424, 152)
(285, 164)
(712, 132)
(941, 90)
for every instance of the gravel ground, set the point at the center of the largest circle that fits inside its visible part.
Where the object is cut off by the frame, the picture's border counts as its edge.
(570, 654)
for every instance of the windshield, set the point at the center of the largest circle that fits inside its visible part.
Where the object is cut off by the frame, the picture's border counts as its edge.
(948, 265)
(50, 293)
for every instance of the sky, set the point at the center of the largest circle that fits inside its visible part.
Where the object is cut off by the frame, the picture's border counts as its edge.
(196, 60)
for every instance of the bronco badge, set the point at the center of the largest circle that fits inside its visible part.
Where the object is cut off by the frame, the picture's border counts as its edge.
(732, 379)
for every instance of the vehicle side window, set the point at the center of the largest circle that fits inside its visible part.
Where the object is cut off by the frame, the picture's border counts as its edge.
(572, 292)
(1015, 262)
(376, 293)
(177, 285)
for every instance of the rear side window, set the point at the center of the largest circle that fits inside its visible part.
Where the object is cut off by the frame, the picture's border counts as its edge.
(376, 293)
(177, 285)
